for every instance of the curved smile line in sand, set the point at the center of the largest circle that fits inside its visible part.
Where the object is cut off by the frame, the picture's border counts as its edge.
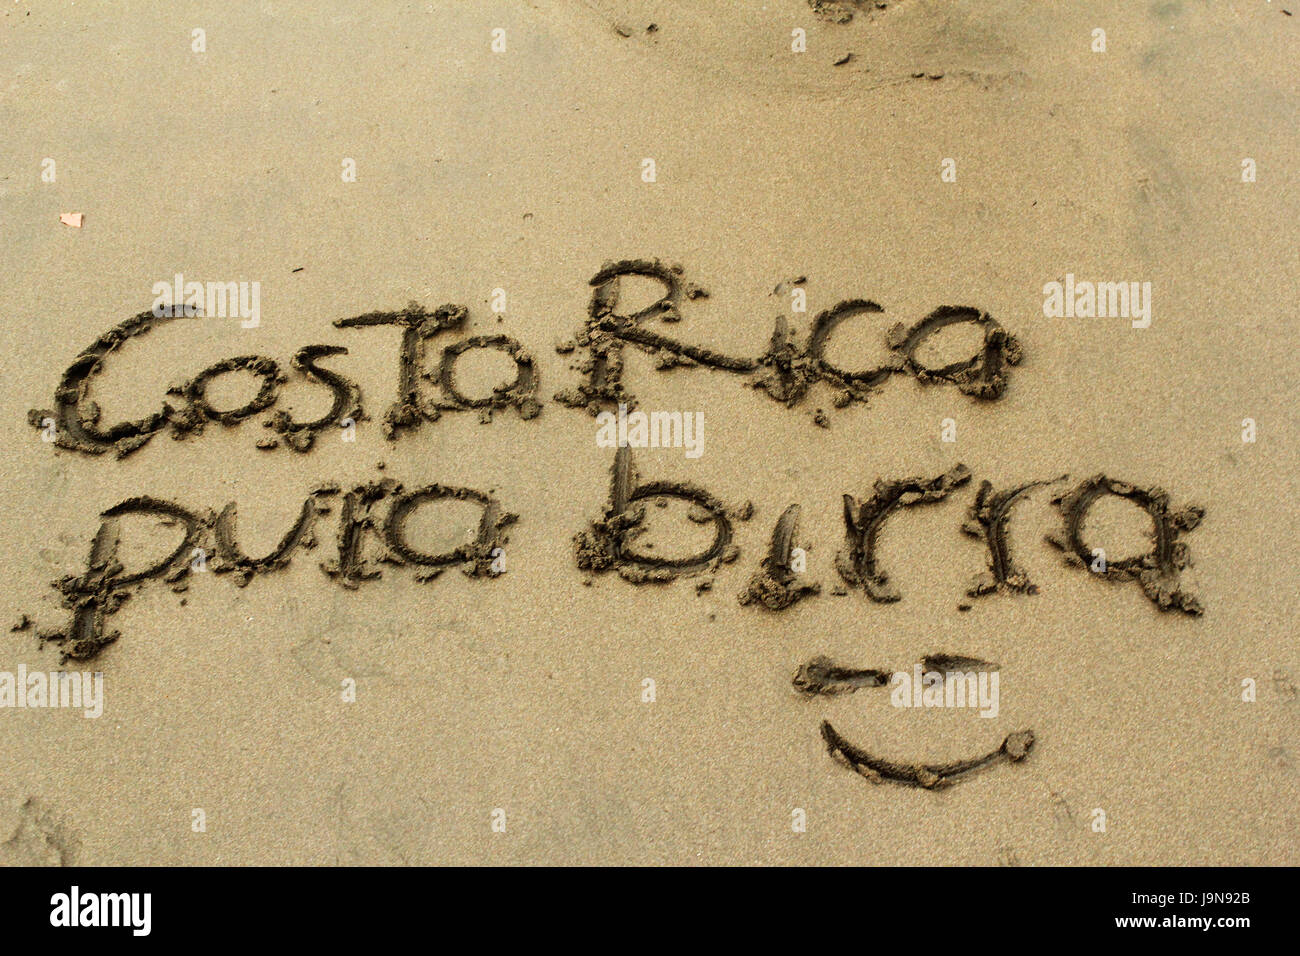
(1014, 748)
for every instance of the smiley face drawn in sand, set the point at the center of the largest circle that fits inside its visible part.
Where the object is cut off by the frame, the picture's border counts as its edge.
(1158, 572)
(823, 677)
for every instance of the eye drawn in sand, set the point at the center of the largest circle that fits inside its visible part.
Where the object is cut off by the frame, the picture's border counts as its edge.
(1158, 572)
(822, 677)
(858, 563)
(607, 544)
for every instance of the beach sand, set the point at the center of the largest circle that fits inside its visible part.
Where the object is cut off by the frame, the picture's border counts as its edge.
(521, 696)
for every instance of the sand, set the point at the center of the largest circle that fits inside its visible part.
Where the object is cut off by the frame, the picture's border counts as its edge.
(521, 697)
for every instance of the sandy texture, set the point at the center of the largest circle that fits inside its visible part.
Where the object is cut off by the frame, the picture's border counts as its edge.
(776, 171)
